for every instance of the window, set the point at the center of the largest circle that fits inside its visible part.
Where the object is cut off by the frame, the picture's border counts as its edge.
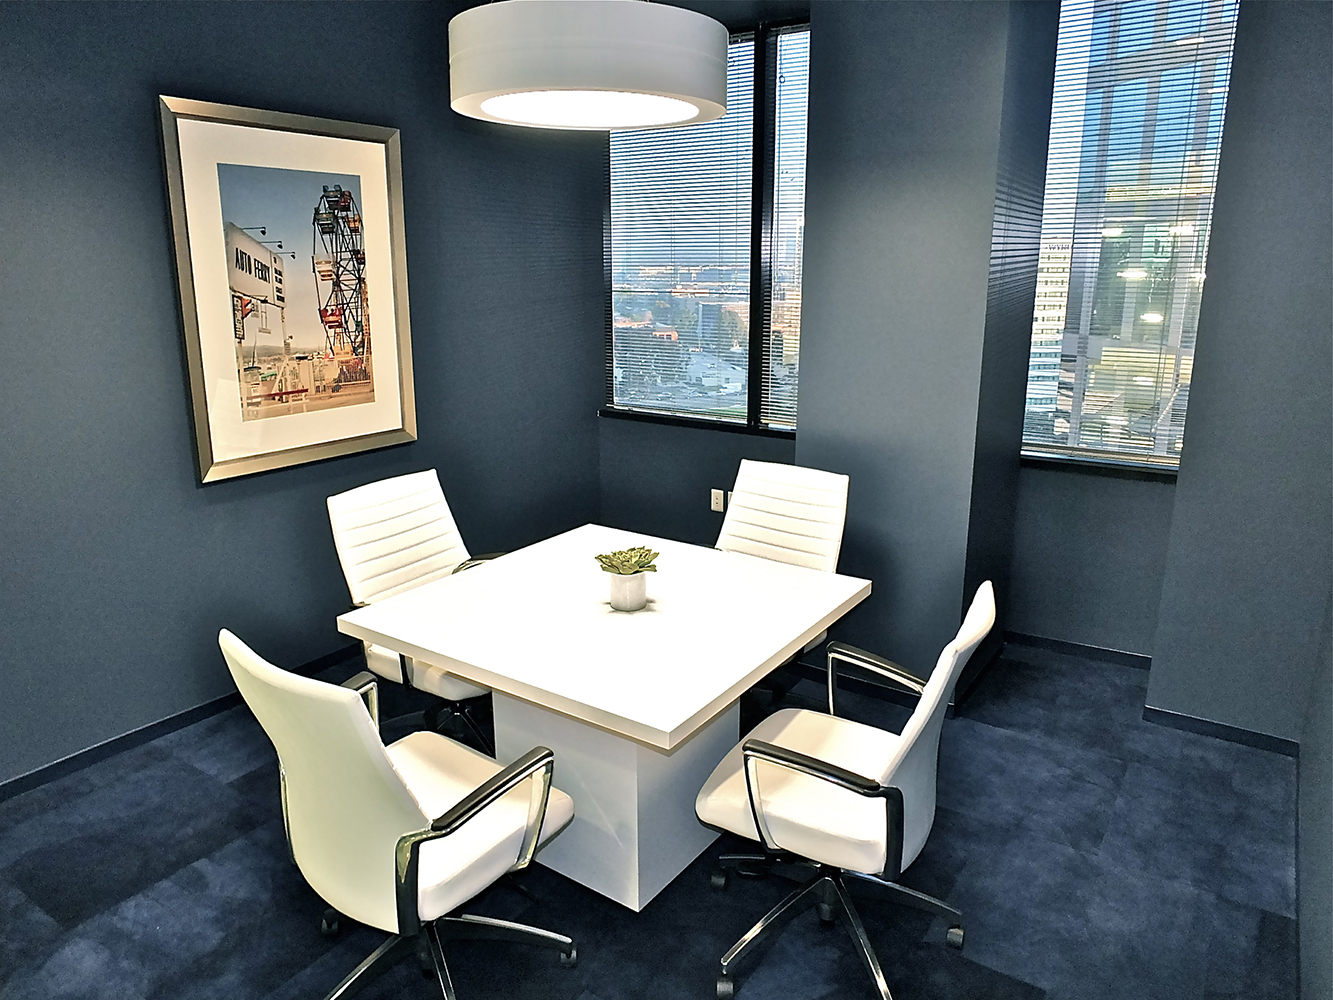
(705, 250)
(1140, 93)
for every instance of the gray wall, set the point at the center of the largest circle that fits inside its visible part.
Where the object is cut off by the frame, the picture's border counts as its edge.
(655, 478)
(1010, 295)
(1248, 567)
(1314, 864)
(904, 163)
(118, 567)
(1089, 553)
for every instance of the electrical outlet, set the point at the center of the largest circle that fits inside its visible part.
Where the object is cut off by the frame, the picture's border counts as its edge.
(717, 500)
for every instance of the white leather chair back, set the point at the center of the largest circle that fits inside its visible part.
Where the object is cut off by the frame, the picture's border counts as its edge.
(346, 806)
(786, 513)
(394, 535)
(915, 763)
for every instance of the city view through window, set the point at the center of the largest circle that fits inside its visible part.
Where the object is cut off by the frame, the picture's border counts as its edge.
(1140, 94)
(681, 225)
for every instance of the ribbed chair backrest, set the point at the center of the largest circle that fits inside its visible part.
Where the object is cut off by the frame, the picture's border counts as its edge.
(394, 535)
(914, 765)
(786, 513)
(346, 806)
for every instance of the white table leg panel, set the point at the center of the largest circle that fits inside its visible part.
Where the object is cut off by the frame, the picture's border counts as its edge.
(634, 827)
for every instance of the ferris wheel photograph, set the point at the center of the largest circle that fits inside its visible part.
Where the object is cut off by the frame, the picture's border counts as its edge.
(296, 272)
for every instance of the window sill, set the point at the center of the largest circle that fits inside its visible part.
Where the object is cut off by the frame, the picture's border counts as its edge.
(704, 423)
(1099, 464)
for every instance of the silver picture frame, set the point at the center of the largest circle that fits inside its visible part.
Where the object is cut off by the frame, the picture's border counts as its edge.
(297, 403)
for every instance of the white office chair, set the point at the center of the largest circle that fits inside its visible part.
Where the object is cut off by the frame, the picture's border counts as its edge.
(399, 836)
(786, 513)
(839, 805)
(789, 514)
(391, 536)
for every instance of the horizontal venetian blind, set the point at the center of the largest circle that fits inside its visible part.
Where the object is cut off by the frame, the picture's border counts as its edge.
(1140, 95)
(680, 260)
(782, 368)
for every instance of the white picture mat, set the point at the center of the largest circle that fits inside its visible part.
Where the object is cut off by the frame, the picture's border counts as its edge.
(203, 145)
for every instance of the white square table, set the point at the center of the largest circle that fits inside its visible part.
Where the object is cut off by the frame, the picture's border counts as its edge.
(638, 707)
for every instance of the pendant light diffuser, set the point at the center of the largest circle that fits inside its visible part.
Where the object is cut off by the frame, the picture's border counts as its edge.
(587, 64)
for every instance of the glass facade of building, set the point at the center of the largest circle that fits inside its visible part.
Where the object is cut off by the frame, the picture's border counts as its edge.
(1140, 95)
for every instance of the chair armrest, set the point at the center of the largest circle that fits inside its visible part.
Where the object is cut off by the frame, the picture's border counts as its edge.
(475, 561)
(496, 787)
(366, 686)
(538, 761)
(758, 751)
(886, 669)
(805, 764)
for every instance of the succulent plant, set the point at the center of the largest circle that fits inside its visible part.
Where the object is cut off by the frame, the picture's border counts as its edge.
(627, 562)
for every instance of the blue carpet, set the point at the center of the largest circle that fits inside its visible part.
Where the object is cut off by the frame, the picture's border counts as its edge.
(1094, 856)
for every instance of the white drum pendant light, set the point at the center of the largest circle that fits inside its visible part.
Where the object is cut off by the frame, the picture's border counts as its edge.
(587, 64)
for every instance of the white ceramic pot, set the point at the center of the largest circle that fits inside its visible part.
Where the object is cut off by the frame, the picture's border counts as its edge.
(629, 593)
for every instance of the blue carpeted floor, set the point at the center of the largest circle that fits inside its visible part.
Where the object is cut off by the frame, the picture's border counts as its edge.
(1093, 854)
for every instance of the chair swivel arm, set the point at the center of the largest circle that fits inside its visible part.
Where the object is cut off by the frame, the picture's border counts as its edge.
(365, 685)
(538, 762)
(877, 665)
(758, 751)
(475, 561)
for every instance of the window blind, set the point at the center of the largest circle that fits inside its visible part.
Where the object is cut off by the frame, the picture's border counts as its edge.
(1136, 123)
(782, 369)
(680, 260)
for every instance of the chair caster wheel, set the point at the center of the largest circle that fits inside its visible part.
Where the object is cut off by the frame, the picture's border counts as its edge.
(726, 989)
(825, 912)
(425, 961)
(569, 959)
(954, 938)
(328, 923)
(719, 879)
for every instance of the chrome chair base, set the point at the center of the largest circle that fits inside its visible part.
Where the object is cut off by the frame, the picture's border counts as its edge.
(458, 716)
(827, 889)
(439, 718)
(787, 866)
(430, 948)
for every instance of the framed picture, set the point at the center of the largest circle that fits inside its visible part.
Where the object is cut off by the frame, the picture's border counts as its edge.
(289, 251)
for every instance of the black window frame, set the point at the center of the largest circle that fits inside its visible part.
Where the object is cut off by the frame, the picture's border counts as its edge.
(762, 200)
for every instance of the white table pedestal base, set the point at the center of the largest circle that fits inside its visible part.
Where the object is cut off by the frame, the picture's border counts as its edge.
(634, 827)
